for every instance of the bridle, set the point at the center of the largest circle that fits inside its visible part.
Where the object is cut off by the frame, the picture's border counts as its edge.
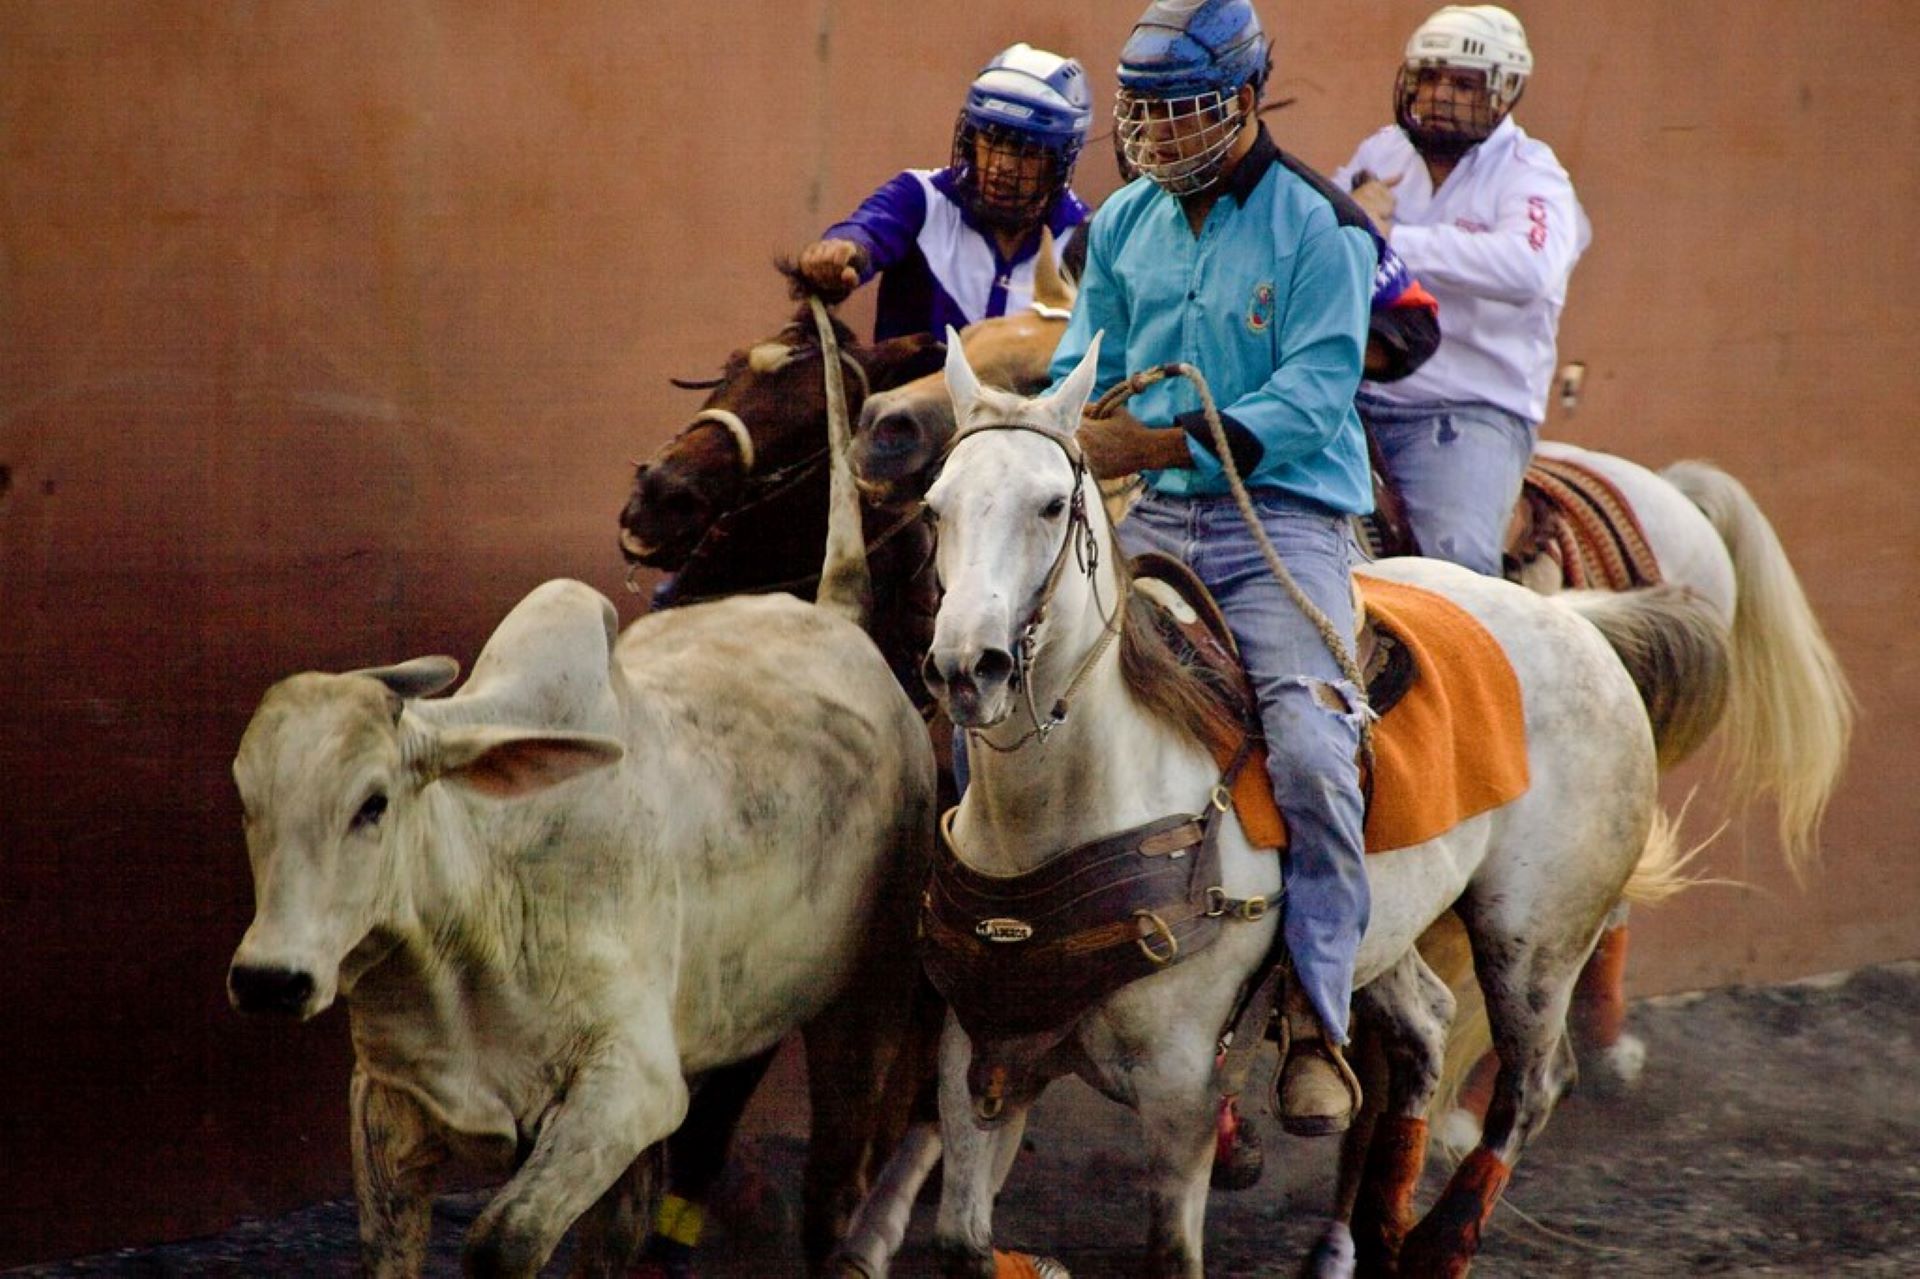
(1084, 546)
(758, 488)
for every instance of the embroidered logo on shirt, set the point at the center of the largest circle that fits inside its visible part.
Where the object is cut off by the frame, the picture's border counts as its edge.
(1260, 307)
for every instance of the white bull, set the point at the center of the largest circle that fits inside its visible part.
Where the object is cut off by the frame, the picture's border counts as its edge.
(533, 970)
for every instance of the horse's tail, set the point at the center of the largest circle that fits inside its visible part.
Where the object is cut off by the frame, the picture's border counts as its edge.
(1677, 650)
(1791, 714)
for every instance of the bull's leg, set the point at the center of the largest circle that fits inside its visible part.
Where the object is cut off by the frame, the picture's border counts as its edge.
(395, 1156)
(1528, 986)
(1408, 1009)
(612, 1229)
(977, 1159)
(696, 1156)
(848, 1050)
(615, 1106)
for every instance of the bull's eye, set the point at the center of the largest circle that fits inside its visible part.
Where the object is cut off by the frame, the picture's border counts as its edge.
(1054, 509)
(370, 813)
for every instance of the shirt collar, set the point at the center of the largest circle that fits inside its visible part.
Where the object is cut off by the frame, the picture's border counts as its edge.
(1253, 166)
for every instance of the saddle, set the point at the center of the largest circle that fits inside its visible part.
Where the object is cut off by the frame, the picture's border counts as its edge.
(1570, 529)
(1574, 517)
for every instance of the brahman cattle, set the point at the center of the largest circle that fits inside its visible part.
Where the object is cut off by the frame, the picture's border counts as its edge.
(606, 864)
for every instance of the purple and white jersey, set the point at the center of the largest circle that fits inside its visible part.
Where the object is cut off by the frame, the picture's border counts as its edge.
(936, 266)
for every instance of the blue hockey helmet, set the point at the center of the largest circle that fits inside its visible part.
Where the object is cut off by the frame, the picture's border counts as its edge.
(1184, 48)
(1031, 109)
(1177, 113)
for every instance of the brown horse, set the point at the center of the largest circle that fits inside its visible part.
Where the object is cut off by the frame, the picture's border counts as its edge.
(737, 502)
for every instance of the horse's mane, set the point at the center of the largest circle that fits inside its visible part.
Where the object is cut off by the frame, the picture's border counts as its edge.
(1166, 687)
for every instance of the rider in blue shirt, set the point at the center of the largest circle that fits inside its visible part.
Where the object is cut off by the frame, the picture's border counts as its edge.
(1240, 260)
(956, 245)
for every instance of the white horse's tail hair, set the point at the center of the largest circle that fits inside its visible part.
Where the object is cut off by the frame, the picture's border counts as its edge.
(1676, 649)
(1792, 712)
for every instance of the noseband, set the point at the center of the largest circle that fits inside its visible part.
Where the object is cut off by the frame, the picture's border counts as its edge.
(736, 427)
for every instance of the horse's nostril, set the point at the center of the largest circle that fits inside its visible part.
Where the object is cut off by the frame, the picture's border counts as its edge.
(930, 672)
(270, 990)
(895, 433)
(992, 666)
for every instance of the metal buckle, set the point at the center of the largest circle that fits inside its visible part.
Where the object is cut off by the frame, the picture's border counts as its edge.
(1221, 798)
(1145, 941)
(1253, 908)
(1216, 902)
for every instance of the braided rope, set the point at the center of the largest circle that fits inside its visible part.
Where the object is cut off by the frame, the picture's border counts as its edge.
(1337, 644)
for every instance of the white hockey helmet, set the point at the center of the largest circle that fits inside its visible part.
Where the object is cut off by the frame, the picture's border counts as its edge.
(1483, 38)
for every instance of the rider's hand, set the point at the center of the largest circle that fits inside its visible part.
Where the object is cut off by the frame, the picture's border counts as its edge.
(1375, 196)
(1120, 444)
(832, 266)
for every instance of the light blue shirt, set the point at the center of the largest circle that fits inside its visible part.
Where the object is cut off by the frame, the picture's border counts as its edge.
(1270, 301)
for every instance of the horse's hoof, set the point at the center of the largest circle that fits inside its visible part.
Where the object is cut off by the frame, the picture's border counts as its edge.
(844, 1265)
(1615, 1070)
(1458, 1130)
(1332, 1257)
(1238, 1160)
(1026, 1265)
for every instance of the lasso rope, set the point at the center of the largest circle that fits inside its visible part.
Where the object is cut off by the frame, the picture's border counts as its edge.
(1337, 644)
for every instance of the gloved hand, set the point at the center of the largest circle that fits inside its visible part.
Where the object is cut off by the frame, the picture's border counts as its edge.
(1375, 196)
(832, 267)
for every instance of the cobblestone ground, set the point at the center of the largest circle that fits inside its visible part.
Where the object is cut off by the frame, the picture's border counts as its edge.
(1776, 1132)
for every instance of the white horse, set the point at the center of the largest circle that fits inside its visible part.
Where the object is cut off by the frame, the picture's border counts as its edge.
(1790, 711)
(1532, 880)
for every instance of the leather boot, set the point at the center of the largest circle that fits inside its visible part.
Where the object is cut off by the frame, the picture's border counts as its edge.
(1317, 1093)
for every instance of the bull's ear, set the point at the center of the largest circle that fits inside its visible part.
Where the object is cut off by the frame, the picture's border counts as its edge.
(421, 677)
(507, 763)
(898, 361)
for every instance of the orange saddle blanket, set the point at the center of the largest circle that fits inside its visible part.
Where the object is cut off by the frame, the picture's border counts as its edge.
(1452, 747)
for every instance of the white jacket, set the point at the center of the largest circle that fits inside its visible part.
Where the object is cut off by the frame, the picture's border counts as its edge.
(1495, 246)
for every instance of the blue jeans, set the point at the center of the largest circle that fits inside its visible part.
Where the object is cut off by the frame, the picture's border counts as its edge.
(1311, 745)
(1458, 469)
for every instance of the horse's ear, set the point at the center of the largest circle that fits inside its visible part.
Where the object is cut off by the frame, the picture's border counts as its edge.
(1050, 288)
(1070, 401)
(900, 360)
(962, 385)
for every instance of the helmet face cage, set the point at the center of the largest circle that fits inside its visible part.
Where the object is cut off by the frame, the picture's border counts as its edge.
(1025, 177)
(1179, 143)
(1462, 108)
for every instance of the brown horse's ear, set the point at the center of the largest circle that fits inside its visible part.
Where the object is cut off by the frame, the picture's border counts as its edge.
(901, 360)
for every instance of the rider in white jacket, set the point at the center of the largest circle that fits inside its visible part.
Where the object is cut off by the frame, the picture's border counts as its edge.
(1487, 219)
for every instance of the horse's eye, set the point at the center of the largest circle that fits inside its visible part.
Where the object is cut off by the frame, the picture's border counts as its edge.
(370, 813)
(1054, 509)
